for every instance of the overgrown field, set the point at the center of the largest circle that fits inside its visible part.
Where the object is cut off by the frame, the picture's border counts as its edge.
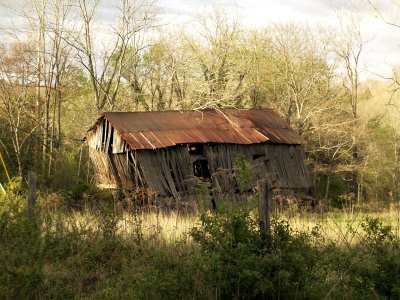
(107, 249)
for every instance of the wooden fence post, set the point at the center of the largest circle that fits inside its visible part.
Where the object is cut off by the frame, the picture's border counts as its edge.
(264, 196)
(31, 193)
(265, 188)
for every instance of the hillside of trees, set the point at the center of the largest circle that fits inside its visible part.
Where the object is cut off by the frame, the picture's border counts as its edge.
(60, 68)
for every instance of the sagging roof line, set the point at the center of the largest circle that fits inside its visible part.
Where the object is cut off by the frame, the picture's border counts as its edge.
(160, 129)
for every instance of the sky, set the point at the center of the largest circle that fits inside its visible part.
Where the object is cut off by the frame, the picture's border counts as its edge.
(382, 49)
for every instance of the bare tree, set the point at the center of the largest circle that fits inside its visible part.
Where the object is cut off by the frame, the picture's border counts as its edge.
(348, 49)
(45, 23)
(58, 58)
(298, 79)
(105, 71)
(221, 61)
(17, 84)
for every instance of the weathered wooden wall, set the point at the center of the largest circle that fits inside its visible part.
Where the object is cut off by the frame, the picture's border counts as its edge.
(285, 161)
(169, 171)
(106, 139)
(105, 174)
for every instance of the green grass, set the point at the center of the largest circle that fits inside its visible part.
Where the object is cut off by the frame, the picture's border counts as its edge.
(104, 250)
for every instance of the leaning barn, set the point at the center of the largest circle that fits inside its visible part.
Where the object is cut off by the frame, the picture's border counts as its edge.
(164, 152)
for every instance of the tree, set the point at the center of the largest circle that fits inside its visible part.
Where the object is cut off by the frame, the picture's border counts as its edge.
(17, 85)
(105, 71)
(348, 49)
(219, 59)
(297, 78)
(45, 22)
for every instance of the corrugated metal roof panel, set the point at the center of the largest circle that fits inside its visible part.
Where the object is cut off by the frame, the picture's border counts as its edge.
(151, 130)
(164, 136)
(130, 139)
(138, 136)
(254, 135)
(282, 136)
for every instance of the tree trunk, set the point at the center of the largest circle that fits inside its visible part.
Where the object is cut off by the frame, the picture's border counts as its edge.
(328, 184)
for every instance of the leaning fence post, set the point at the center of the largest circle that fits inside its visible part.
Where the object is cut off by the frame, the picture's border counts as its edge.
(31, 193)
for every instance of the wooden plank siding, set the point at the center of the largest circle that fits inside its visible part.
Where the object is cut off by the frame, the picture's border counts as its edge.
(105, 175)
(287, 161)
(169, 171)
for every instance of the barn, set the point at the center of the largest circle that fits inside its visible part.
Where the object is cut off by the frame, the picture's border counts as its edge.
(169, 153)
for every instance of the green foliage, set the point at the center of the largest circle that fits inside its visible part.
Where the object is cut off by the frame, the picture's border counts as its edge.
(239, 263)
(337, 188)
(21, 252)
(51, 256)
(381, 253)
(243, 173)
(202, 190)
(381, 182)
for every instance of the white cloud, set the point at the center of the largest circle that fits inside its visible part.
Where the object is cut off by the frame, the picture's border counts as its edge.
(380, 54)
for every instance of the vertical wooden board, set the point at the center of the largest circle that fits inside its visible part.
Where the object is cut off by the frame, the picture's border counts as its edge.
(157, 172)
(136, 170)
(186, 170)
(99, 136)
(177, 162)
(101, 164)
(159, 165)
(109, 133)
(176, 169)
(118, 143)
(94, 138)
(142, 165)
(225, 156)
(210, 156)
(104, 136)
(124, 170)
(166, 171)
(150, 172)
(292, 171)
(183, 166)
(119, 169)
(163, 172)
(116, 173)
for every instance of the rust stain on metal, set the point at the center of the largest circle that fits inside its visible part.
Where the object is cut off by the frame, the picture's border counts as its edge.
(153, 130)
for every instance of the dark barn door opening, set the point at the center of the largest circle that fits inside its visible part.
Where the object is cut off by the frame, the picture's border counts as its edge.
(199, 161)
(200, 168)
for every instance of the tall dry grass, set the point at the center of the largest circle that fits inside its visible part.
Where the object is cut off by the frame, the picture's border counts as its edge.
(336, 226)
(104, 250)
(341, 227)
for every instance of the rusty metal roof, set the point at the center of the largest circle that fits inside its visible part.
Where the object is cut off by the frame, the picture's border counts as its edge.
(159, 129)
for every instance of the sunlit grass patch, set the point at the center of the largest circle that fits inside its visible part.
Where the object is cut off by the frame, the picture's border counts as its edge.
(339, 227)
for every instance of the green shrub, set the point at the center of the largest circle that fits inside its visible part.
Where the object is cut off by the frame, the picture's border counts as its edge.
(380, 250)
(21, 251)
(53, 257)
(239, 263)
(243, 173)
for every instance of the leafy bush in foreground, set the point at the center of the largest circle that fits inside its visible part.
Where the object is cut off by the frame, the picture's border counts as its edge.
(51, 257)
(240, 264)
